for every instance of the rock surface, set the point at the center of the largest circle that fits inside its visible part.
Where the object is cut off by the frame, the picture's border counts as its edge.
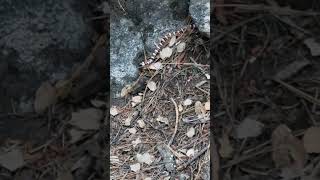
(39, 40)
(200, 12)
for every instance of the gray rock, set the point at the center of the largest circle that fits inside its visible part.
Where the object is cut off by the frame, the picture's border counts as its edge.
(144, 25)
(39, 40)
(125, 46)
(200, 12)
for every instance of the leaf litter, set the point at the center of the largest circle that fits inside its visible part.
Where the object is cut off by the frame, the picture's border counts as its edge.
(266, 58)
(169, 96)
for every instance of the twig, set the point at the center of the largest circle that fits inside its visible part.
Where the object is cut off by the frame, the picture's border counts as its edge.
(215, 161)
(270, 9)
(298, 92)
(232, 28)
(122, 7)
(193, 159)
(177, 121)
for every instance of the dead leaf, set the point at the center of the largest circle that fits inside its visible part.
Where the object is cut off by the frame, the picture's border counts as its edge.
(199, 108)
(288, 151)
(114, 111)
(46, 96)
(87, 119)
(207, 106)
(126, 90)
(181, 47)
(145, 158)
(249, 127)
(132, 130)
(152, 85)
(190, 152)
(75, 135)
(226, 149)
(191, 132)
(162, 119)
(187, 102)
(156, 66)
(98, 103)
(114, 160)
(180, 108)
(135, 167)
(127, 122)
(63, 88)
(165, 53)
(313, 45)
(12, 160)
(311, 140)
(137, 99)
(141, 123)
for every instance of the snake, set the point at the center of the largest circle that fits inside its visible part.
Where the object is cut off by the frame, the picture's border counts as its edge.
(164, 41)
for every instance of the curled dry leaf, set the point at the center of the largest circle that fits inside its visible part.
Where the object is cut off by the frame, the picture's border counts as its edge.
(12, 160)
(249, 127)
(98, 103)
(190, 152)
(165, 53)
(127, 122)
(114, 111)
(181, 47)
(152, 85)
(313, 45)
(87, 119)
(311, 140)
(180, 108)
(132, 130)
(126, 90)
(145, 158)
(191, 132)
(114, 160)
(141, 123)
(156, 66)
(207, 106)
(187, 102)
(199, 108)
(226, 148)
(76, 135)
(162, 119)
(46, 96)
(137, 99)
(288, 151)
(135, 167)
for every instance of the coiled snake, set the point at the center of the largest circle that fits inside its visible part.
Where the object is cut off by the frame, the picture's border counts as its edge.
(165, 41)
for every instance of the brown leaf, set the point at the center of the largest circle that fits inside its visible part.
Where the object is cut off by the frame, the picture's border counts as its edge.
(311, 140)
(288, 151)
(45, 97)
(87, 119)
(226, 148)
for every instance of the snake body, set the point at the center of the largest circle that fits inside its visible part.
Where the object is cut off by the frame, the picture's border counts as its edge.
(164, 41)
